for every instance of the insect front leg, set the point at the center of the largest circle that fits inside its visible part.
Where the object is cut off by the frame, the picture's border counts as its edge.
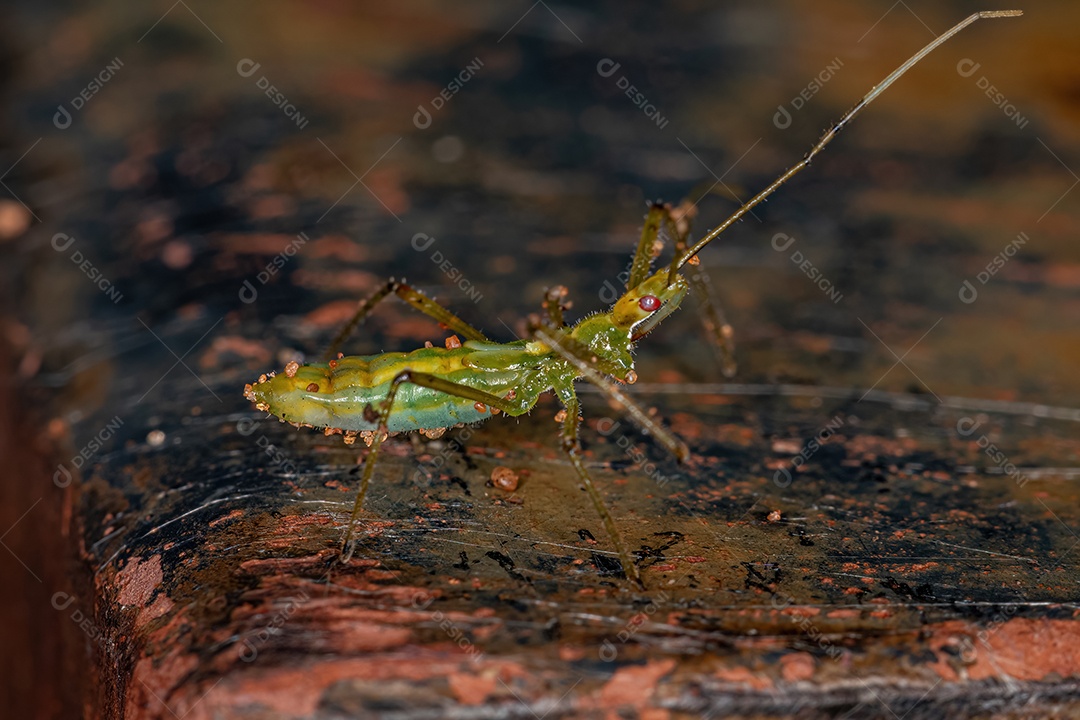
(413, 297)
(581, 359)
(507, 405)
(570, 444)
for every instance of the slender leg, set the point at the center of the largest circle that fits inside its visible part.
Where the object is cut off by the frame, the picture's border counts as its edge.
(554, 304)
(646, 249)
(572, 447)
(425, 380)
(413, 297)
(564, 346)
(717, 329)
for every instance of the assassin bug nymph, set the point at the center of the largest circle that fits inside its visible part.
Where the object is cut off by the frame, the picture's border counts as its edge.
(433, 389)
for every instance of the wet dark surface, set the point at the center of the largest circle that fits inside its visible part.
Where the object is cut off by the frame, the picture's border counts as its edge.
(920, 560)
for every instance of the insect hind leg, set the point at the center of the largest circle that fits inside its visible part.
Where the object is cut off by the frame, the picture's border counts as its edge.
(508, 405)
(413, 297)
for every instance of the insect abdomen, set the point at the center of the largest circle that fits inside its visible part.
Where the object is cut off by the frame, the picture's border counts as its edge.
(346, 394)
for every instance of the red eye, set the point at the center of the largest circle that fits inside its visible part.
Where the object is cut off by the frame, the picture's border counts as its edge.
(649, 303)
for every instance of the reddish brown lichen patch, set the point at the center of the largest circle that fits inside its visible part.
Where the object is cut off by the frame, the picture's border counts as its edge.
(1020, 648)
(225, 518)
(472, 689)
(338, 247)
(297, 690)
(273, 566)
(156, 609)
(744, 676)
(845, 612)
(269, 244)
(354, 282)
(332, 313)
(354, 636)
(155, 677)
(797, 666)
(139, 581)
(234, 345)
(633, 685)
(801, 611)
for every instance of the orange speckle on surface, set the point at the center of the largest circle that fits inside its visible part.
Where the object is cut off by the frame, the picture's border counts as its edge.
(504, 478)
(313, 387)
(844, 612)
(291, 368)
(480, 407)
(14, 219)
(453, 342)
(797, 666)
(802, 611)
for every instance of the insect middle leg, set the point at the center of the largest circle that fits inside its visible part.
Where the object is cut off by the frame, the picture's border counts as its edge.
(572, 447)
(507, 405)
(581, 358)
(414, 298)
(717, 329)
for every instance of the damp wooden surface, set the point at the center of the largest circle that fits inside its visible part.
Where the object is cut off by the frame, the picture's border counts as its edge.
(881, 514)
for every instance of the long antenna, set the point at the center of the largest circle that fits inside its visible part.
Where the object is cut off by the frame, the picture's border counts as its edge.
(837, 127)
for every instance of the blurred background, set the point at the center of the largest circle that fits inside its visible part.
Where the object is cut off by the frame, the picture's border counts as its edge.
(195, 193)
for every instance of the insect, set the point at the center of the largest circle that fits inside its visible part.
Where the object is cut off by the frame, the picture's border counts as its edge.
(435, 388)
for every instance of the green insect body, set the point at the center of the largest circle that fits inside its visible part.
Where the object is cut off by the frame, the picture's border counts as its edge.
(342, 394)
(432, 389)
